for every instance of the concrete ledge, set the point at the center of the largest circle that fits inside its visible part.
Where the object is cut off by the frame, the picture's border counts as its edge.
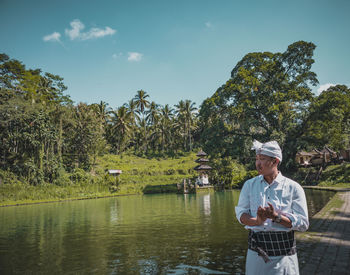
(325, 247)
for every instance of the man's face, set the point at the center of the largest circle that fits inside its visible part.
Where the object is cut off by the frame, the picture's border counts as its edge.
(264, 164)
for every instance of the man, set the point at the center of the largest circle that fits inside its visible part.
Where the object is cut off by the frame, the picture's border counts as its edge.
(271, 207)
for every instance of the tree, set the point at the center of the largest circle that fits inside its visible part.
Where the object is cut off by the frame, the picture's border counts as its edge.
(103, 111)
(84, 139)
(185, 113)
(152, 113)
(166, 126)
(189, 110)
(31, 106)
(264, 99)
(328, 122)
(121, 127)
(141, 101)
(141, 104)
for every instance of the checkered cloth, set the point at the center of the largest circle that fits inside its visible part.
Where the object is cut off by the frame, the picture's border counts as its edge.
(272, 243)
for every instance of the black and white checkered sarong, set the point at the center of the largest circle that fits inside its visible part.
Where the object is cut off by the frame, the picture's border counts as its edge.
(272, 243)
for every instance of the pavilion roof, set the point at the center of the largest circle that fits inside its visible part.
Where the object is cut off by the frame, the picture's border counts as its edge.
(202, 167)
(327, 150)
(201, 153)
(303, 153)
(202, 160)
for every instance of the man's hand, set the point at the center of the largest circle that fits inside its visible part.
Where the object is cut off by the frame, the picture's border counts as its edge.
(270, 212)
(261, 215)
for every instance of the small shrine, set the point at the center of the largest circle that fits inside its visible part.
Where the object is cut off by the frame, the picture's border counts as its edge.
(203, 168)
(114, 172)
(114, 187)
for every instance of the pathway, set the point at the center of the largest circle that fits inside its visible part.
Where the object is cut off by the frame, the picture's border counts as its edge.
(325, 247)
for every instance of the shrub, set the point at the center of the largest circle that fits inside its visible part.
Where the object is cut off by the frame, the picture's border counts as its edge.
(170, 171)
(228, 171)
(7, 177)
(79, 176)
(63, 178)
(181, 171)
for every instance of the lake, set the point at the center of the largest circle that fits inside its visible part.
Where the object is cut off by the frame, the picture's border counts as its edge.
(150, 234)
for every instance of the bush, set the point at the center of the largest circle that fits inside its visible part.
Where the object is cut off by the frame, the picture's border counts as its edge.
(170, 171)
(181, 171)
(63, 178)
(228, 171)
(7, 177)
(79, 176)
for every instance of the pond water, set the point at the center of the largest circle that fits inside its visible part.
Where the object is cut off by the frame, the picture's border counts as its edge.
(150, 234)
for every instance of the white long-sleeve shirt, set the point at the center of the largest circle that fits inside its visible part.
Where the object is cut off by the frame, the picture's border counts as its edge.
(286, 196)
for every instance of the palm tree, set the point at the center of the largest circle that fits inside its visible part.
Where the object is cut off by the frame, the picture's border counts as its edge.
(103, 111)
(166, 125)
(141, 101)
(142, 134)
(167, 112)
(132, 108)
(189, 114)
(121, 126)
(185, 112)
(152, 113)
(181, 121)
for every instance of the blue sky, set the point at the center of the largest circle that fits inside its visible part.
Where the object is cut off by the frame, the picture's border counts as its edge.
(183, 49)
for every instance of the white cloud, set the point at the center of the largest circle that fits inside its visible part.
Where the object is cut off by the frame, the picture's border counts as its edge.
(76, 31)
(324, 87)
(77, 26)
(208, 24)
(116, 55)
(97, 33)
(134, 56)
(54, 37)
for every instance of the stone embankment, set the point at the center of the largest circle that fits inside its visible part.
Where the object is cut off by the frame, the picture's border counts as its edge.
(325, 247)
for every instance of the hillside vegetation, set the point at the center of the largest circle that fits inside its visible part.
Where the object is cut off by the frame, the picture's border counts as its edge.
(52, 148)
(139, 175)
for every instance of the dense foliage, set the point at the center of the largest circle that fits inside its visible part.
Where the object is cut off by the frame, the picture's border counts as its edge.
(44, 135)
(268, 97)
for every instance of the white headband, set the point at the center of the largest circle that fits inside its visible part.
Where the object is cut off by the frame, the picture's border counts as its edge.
(270, 148)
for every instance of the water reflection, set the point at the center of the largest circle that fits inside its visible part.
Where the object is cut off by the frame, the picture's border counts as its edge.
(114, 212)
(206, 204)
(153, 234)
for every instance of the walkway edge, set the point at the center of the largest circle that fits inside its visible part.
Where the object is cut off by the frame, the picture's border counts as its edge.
(325, 247)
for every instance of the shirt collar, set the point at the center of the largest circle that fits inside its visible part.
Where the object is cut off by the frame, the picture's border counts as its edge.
(277, 180)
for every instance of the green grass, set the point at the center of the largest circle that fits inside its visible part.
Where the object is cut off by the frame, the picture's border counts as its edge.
(335, 203)
(139, 175)
(336, 176)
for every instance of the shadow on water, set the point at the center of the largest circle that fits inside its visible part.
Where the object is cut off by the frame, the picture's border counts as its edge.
(156, 189)
(317, 199)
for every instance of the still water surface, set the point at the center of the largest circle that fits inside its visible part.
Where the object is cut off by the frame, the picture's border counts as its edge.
(150, 234)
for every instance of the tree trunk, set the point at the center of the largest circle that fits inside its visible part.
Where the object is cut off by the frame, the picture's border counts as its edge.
(59, 142)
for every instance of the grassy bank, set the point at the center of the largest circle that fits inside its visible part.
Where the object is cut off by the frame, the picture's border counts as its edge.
(337, 176)
(140, 175)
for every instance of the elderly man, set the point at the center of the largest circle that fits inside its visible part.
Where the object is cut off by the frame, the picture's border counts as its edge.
(271, 207)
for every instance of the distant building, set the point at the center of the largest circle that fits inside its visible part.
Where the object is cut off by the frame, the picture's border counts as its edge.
(203, 168)
(316, 157)
(345, 154)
